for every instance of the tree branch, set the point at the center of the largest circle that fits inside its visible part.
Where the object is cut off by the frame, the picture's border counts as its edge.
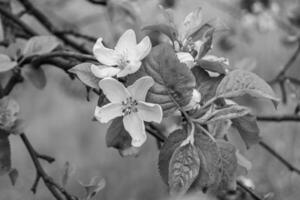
(279, 118)
(50, 27)
(249, 191)
(18, 22)
(287, 66)
(56, 190)
(279, 157)
(99, 2)
(80, 35)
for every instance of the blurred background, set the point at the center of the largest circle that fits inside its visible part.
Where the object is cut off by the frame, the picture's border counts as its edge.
(58, 119)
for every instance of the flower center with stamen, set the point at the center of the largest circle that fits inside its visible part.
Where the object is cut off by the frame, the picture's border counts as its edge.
(123, 62)
(129, 106)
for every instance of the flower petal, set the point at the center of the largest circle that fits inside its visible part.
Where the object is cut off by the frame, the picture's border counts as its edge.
(130, 68)
(108, 112)
(186, 58)
(149, 112)
(140, 87)
(127, 41)
(113, 90)
(105, 55)
(136, 129)
(102, 71)
(143, 48)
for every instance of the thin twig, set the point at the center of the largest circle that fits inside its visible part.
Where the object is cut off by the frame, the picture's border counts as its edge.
(286, 67)
(99, 2)
(279, 157)
(53, 187)
(50, 27)
(80, 35)
(249, 191)
(18, 22)
(279, 118)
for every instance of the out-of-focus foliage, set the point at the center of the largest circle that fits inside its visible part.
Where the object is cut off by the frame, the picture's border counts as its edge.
(59, 120)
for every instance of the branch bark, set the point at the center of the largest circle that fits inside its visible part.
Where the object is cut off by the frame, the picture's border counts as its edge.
(51, 27)
(56, 190)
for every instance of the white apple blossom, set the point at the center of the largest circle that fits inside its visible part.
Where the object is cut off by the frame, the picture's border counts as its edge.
(130, 103)
(124, 59)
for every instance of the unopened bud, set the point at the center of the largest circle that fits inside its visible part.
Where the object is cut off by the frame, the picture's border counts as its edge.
(195, 100)
(186, 58)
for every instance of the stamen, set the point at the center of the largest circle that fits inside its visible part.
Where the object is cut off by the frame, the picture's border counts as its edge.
(129, 106)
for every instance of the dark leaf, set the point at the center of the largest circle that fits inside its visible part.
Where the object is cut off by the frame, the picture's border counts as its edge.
(206, 85)
(192, 22)
(205, 34)
(238, 82)
(183, 169)
(248, 129)
(84, 73)
(214, 64)
(229, 165)
(36, 76)
(120, 139)
(40, 45)
(165, 29)
(171, 144)
(211, 164)
(174, 82)
(229, 112)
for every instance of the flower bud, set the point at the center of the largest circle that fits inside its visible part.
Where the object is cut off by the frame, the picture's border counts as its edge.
(195, 100)
(186, 58)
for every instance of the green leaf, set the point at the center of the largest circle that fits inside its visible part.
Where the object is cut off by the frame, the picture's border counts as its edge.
(174, 82)
(93, 187)
(120, 139)
(36, 76)
(40, 45)
(85, 75)
(67, 173)
(238, 82)
(6, 63)
(192, 22)
(13, 176)
(229, 165)
(214, 64)
(229, 112)
(211, 164)
(5, 160)
(244, 165)
(165, 29)
(248, 129)
(183, 169)
(171, 144)
(205, 35)
(220, 128)
(206, 85)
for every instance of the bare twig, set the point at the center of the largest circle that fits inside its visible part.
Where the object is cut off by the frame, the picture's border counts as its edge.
(249, 191)
(50, 27)
(13, 81)
(80, 35)
(18, 22)
(99, 2)
(279, 157)
(279, 118)
(56, 190)
(286, 67)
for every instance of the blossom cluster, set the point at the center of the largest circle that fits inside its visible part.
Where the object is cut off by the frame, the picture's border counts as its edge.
(126, 58)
